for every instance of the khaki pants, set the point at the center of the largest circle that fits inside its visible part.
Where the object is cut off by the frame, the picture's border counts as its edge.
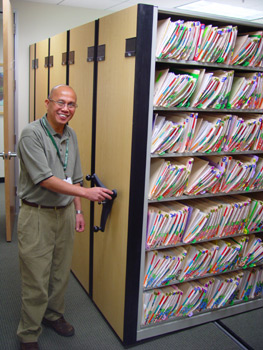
(45, 241)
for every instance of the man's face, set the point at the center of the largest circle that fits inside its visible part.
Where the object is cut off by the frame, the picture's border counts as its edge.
(58, 114)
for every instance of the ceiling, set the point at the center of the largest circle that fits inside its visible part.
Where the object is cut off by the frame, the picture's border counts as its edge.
(116, 5)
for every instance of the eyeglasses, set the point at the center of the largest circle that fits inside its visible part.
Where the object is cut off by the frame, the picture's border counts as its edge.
(62, 104)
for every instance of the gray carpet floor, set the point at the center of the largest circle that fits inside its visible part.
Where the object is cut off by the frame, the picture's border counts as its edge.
(93, 332)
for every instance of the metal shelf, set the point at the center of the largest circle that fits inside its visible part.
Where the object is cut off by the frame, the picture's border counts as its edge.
(176, 324)
(200, 277)
(171, 61)
(163, 247)
(198, 154)
(205, 312)
(206, 195)
(213, 110)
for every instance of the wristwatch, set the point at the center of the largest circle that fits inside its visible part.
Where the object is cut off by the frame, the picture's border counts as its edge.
(79, 212)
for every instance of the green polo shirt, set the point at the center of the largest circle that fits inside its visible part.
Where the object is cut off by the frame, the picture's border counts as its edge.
(39, 161)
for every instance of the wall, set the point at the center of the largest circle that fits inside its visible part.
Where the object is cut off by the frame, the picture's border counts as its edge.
(36, 22)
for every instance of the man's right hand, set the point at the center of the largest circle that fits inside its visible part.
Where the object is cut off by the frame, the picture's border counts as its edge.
(98, 194)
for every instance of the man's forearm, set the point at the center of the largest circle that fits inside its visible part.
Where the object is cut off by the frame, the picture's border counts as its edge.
(57, 185)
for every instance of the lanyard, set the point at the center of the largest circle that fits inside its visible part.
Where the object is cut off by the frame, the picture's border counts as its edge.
(64, 164)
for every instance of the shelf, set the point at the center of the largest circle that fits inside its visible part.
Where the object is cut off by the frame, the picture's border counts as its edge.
(197, 154)
(198, 313)
(175, 324)
(197, 318)
(200, 277)
(206, 195)
(207, 65)
(202, 241)
(213, 110)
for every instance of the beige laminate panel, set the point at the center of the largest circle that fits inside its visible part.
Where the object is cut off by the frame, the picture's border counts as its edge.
(9, 127)
(81, 79)
(31, 83)
(113, 157)
(41, 86)
(58, 45)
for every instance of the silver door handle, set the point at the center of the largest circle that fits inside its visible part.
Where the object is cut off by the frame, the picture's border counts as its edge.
(8, 155)
(11, 154)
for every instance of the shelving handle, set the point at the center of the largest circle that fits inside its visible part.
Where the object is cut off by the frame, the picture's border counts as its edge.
(106, 204)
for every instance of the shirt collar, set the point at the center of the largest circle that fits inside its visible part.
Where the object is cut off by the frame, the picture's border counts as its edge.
(66, 133)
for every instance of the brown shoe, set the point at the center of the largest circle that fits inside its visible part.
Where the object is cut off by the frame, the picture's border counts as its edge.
(61, 326)
(29, 346)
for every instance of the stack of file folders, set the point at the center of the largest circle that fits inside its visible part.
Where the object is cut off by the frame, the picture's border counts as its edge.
(194, 41)
(174, 88)
(197, 132)
(239, 173)
(203, 89)
(171, 223)
(169, 178)
(195, 176)
(246, 91)
(191, 298)
(248, 50)
(179, 264)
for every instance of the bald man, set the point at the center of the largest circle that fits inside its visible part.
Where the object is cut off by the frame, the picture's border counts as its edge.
(50, 190)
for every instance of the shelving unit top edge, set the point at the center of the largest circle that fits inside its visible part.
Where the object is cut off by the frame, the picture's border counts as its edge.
(208, 18)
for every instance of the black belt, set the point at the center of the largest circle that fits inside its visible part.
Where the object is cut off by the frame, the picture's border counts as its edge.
(35, 205)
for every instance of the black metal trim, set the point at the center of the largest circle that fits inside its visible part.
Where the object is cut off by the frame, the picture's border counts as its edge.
(48, 74)
(35, 82)
(67, 63)
(93, 154)
(232, 335)
(138, 162)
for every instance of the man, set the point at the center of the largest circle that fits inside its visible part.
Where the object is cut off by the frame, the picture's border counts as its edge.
(50, 190)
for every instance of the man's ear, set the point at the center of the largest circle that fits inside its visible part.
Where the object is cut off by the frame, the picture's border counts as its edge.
(47, 102)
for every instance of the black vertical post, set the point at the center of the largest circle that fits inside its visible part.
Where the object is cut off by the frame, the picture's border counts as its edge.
(93, 152)
(68, 50)
(48, 76)
(35, 80)
(138, 162)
